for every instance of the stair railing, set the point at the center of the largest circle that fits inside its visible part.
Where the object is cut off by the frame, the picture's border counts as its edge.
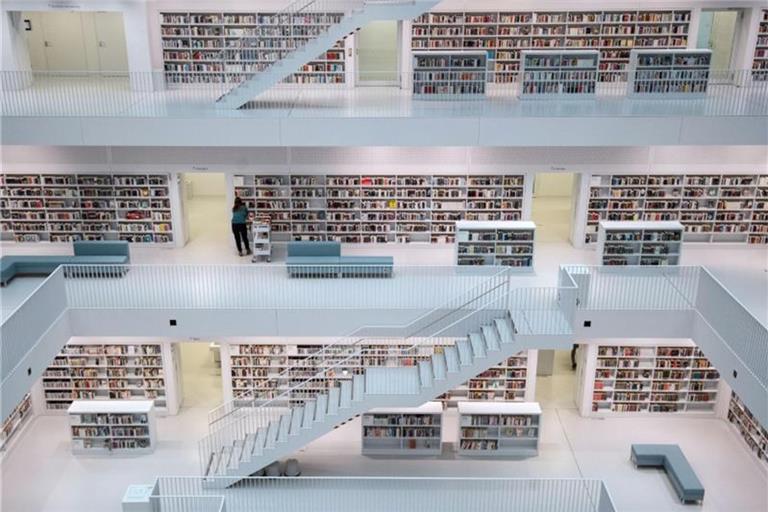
(319, 359)
(248, 420)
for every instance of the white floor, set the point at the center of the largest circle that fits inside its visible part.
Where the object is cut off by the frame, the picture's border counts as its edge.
(40, 474)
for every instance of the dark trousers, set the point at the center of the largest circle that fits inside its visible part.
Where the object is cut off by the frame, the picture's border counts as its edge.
(241, 236)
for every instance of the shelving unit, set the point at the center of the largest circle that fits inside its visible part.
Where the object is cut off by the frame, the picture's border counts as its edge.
(109, 372)
(669, 73)
(268, 369)
(648, 378)
(15, 421)
(499, 430)
(379, 208)
(754, 434)
(495, 243)
(640, 242)
(711, 207)
(559, 73)
(226, 47)
(261, 238)
(118, 426)
(404, 431)
(449, 73)
(760, 61)
(512, 380)
(503, 35)
(69, 207)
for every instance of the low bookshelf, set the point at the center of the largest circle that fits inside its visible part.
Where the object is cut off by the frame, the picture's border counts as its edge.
(640, 242)
(669, 73)
(647, 377)
(503, 243)
(754, 434)
(15, 421)
(499, 429)
(559, 73)
(403, 431)
(118, 426)
(438, 74)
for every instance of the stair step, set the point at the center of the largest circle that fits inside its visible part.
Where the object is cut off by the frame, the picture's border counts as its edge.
(309, 414)
(271, 434)
(439, 366)
(492, 338)
(247, 452)
(505, 330)
(297, 413)
(282, 429)
(478, 344)
(425, 374)
(358, 387)
(345, 397)
(321, 407)
(452, 358)
(465, 352)
(261, 440)
(334, 395)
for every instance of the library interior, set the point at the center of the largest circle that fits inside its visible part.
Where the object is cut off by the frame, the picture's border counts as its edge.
(384, 255)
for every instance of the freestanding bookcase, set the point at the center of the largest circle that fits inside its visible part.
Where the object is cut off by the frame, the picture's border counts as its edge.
(669, 73)
(559, 73)
(640, 242)
(403, 431)
(507, 243)
(499, 429)
(449, 73)
(115, 426)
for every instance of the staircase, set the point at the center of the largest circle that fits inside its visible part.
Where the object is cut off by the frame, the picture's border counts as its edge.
(354, 14)
(270, 432)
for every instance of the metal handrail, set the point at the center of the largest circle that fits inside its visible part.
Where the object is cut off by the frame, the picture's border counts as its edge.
(212, 415)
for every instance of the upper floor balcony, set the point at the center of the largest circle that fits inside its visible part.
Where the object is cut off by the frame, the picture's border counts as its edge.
(85, 108)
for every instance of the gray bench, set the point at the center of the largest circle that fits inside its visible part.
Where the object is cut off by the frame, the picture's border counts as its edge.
(324, 259)
(679, 471)
(109, 255)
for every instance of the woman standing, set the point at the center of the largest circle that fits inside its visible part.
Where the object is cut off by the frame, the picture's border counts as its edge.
(239, 226)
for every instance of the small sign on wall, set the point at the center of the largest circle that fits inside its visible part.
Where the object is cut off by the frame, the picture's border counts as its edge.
(64, 4)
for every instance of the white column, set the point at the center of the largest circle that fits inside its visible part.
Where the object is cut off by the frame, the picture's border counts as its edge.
(693, 27)
(177, 209)
(530, 378)
(226, 370)
(15, 56)
(138, 43)
(581, 201)
(530, 178)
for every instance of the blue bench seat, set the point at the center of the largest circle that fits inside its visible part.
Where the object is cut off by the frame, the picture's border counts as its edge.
(324, 260)
(678, 469)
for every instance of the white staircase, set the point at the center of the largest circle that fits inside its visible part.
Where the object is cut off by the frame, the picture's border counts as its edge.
(280, 432)
(356, 14)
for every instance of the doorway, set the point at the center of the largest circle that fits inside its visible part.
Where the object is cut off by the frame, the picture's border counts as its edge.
(553, 206)
(717, 32)
(76, 41)
(201, 374)
(205, 210)
(378, 54)
(556, 378)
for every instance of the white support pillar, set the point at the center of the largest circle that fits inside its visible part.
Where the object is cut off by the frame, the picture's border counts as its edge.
(15, 56)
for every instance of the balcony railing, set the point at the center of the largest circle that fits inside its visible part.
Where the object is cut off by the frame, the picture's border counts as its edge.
(185, 95)
(388, 494)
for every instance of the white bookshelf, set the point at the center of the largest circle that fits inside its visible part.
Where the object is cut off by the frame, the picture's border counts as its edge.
(216, 47)
(87, 370)
(506, 243)
(559, 73)
(261, 239)
(403, 431)
(267, 369)
(512, 380)
(718, 208)
(499, 429)
(15, 421)
(640, 242)
(356, 208)
(504, 35)
(669, 73)
(760, 60)
(645, 377)
(449, 73)
(69, 207)
(118, 426)
(753, 434)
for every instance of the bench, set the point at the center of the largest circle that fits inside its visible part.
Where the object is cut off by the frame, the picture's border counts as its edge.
(101, 253)
(679, 471)
(324, 259)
